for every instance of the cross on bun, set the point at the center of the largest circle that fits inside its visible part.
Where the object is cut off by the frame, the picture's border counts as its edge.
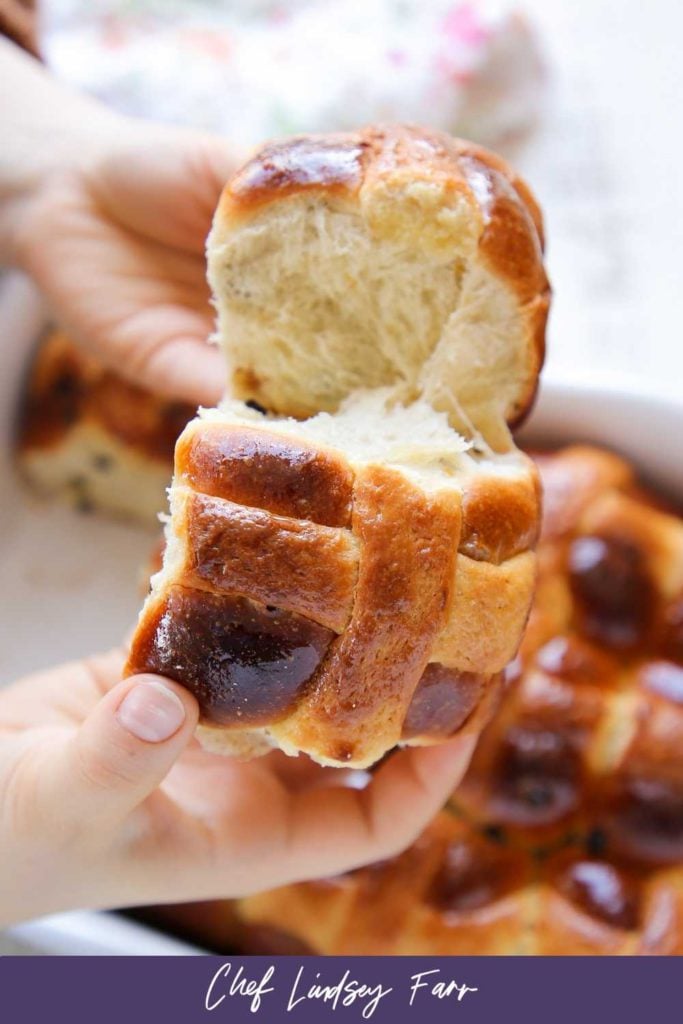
(349, 558)
(566, 836)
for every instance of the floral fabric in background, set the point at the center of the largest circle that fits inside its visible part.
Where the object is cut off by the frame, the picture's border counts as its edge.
(256, 68)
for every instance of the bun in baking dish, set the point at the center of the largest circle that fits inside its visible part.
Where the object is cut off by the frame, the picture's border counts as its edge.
(349, 559)
(566, 836)
(86, 435)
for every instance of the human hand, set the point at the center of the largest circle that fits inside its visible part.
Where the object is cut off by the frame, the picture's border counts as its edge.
(107, 800)
(110, 215)
(116, 246)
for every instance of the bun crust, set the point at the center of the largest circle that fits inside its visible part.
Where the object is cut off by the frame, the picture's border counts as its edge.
(427, 275)
(566, 836)
(86, 435)
(350, 555)
(338, 640)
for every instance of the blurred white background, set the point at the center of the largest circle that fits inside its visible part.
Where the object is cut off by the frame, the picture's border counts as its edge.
(607, 165)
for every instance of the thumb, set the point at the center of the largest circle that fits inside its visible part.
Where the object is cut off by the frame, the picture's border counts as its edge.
(123, 750)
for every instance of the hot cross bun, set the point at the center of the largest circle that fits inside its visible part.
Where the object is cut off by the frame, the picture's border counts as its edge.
(87, 435)
(349, 559)
(591, 724)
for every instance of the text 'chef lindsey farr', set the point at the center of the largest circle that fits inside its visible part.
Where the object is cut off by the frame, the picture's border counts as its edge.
(232, 982)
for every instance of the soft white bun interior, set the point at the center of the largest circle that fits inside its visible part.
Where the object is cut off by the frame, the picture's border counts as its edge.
(319, 296)
(370, 427)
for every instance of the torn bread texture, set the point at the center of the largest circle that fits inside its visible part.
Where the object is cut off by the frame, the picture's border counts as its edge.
(349, 558)
(395, 257)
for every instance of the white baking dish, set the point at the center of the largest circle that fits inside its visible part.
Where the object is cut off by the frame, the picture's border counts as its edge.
(73, 582)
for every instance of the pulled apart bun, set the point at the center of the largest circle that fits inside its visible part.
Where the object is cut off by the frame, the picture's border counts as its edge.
(350, 557)
(394, 257)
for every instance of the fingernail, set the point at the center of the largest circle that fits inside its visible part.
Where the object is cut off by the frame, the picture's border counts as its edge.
(151, 712)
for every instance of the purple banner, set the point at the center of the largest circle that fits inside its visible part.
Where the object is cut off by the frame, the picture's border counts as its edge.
(314, 990)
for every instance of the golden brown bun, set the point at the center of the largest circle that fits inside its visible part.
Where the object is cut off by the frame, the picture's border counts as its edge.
(329, 608)
(395, 256)
(455, 893)
(451, 893)
(594, 724)
(358, 578)
(87, 435)
(567, 834)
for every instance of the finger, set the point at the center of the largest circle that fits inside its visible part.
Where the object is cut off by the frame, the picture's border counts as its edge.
(165, 349)
(301, 772)
(120, 754)
(166, 185)
(61, 695)
(335, 830)
(180, 367)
